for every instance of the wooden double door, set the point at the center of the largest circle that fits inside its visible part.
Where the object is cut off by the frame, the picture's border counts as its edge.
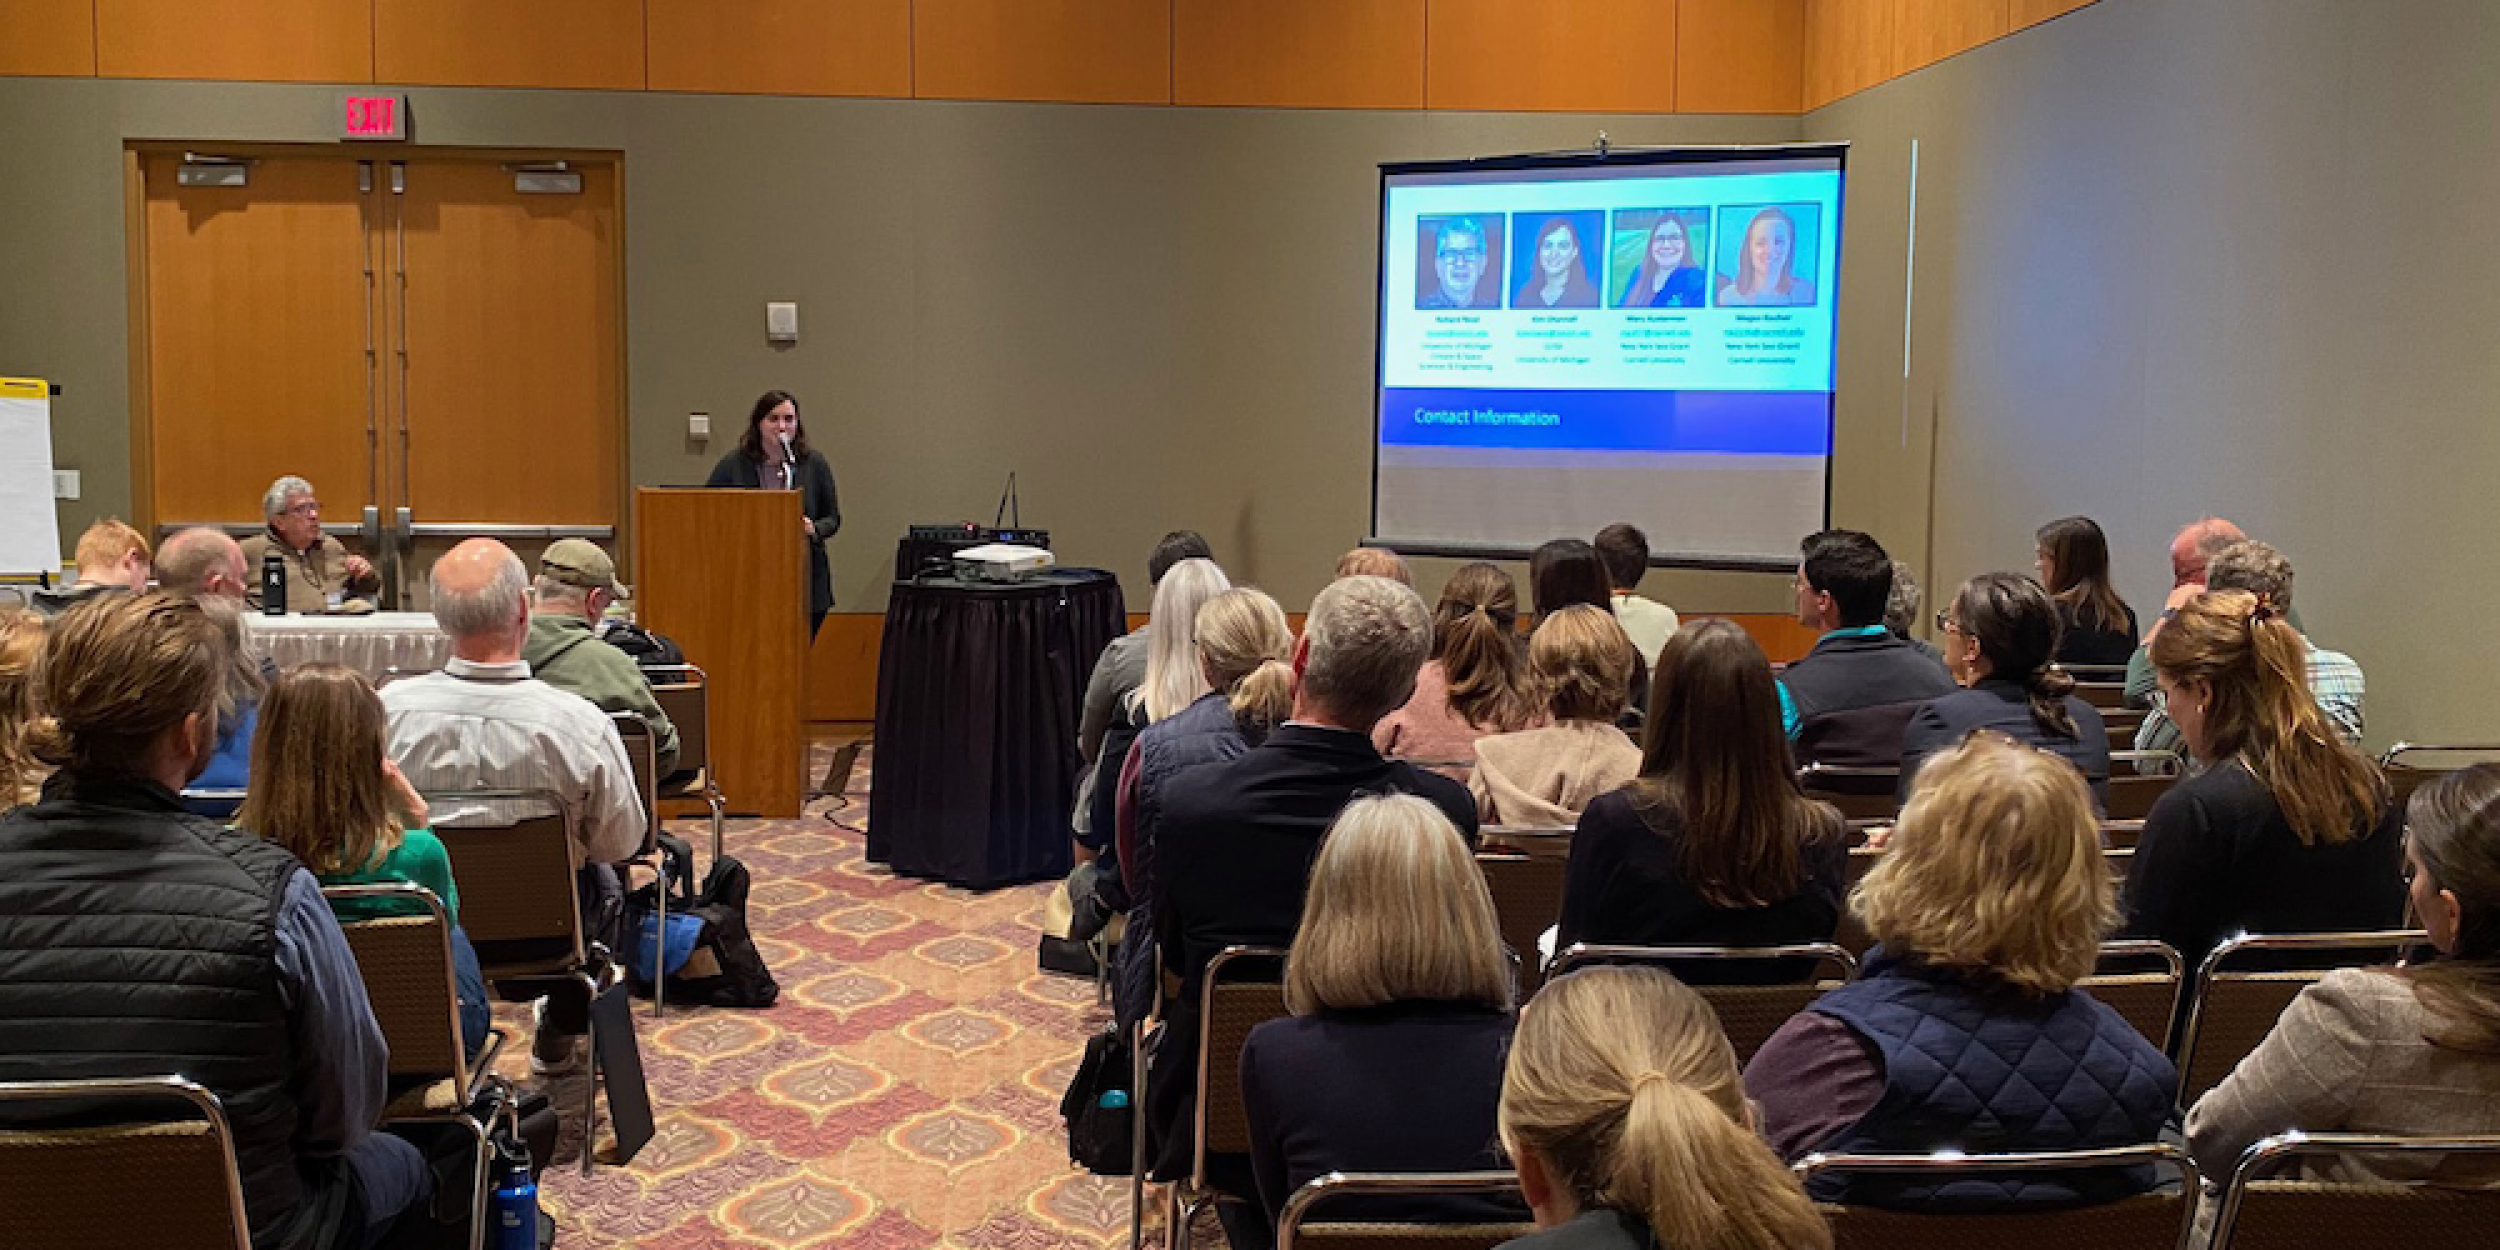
(433, 339)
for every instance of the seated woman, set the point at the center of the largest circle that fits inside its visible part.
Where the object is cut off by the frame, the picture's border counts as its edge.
(1712, 844)
(1172, 682)
(2390, 1050)
(21, 774)
(1474, 684)
(2074, 565)
(1542, 777)
(1399, 989)
(1622, 1111)
(1999, 636)
(326, 792)
(1243, 648)
(1987, 907)
(2289, 830)
(1565, 571)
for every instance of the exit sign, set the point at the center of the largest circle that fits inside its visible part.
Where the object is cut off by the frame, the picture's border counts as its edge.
(373, 117)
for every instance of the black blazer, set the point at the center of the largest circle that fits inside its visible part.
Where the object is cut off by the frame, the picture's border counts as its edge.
(2006, 707)
(817, 499)
(1854, 692)
(1624, 886)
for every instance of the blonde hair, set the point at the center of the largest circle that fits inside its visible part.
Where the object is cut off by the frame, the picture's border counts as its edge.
(108, 542)
(21, 646)
(1582, 660)
(1622, 1085)
(1397, 911)
(117, 672)
(1173, 679)
(317, 785)
(1995, 868)
(1246, 648)
(1375, 562)
(2260, 710)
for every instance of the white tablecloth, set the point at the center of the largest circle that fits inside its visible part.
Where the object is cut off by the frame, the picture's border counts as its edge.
(407, 641)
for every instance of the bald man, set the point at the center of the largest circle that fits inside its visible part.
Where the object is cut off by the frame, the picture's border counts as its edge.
(2192, 549)
(201, 562)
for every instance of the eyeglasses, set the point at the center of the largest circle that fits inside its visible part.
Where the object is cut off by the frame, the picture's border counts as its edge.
(1462, 253)
(304, 508)
(1946, 624)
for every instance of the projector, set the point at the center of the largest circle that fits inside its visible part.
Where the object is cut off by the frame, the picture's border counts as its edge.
(1000, 562)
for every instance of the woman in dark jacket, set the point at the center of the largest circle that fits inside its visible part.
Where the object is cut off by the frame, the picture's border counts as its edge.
(2074, 565)
(1998, 639)
(773, 455)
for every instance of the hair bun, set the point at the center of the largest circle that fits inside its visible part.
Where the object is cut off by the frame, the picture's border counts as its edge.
(47, 741)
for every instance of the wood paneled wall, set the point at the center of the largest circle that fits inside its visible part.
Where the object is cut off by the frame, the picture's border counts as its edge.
(1850, 45)
(52, 38)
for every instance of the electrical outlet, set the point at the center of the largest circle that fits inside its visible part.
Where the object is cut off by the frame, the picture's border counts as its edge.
(65, 483)
(781, 322)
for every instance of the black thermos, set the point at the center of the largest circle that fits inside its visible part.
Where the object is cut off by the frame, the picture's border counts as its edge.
(273, 584)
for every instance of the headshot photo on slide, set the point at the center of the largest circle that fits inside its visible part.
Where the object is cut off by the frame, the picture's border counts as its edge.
(1556, 262)
(1766, 255)
(1459, 261)
(1657, 258)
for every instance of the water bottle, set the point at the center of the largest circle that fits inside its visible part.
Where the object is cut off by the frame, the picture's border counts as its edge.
(273, 584)
(1113, 1100)
(513, 1209)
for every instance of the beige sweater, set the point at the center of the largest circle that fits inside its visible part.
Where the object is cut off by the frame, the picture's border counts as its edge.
(1541, 778)
(2348, 1056)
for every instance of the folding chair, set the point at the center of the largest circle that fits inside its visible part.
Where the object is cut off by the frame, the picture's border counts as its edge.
(1749, 1014)
(2140, 980)
(1231, 1003)
(2102, 694)
(642, 751)
(2234, 1008)
(1861, 793)
(214, 802)
(1297, 1229)
(2132, 797)
(2258, 1213)
(2098, 674)
(1851, 935)
(1530, 840)
(154, 1179)
(1527, 900)
(2147, 1221)
(406, 964)
(685, 697)
(2409, 764)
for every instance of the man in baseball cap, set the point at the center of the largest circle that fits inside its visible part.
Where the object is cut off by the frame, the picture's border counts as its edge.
(576, 584)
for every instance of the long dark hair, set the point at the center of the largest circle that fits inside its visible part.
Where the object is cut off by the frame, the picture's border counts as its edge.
(2454, 826)
(2078, 571)
(1475, 636)
(751, 443)
(1716, 761)
(1566, 571)
(2015, 623)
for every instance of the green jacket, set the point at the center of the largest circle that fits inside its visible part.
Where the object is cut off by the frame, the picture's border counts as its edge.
(564, 653)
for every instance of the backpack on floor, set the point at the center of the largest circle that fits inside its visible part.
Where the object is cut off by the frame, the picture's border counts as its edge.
(1101, 1124)
(708, 953)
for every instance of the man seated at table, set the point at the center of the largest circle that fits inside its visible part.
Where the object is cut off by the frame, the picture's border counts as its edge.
(483, 723)
(111, 556)
(320, 571)
(576, 583)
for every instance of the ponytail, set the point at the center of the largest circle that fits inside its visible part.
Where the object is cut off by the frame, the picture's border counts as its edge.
(1264, 695)
(1701, 1179)
(2048, 688)
(1475, 636)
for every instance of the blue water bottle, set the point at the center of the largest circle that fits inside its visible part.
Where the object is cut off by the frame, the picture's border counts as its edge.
(514, 1207)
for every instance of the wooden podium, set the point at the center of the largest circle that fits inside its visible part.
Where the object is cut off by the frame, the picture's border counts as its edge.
(724, 573)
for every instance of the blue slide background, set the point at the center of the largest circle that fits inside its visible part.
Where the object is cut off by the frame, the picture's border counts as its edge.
(1774, 423)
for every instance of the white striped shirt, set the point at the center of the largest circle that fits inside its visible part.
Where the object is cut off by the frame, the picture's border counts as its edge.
(494, 727)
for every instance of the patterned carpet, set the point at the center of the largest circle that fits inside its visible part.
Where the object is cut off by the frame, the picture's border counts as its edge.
(903, 1093)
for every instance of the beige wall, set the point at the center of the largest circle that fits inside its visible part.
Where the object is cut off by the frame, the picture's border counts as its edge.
(1157, 316)
(2186, 258)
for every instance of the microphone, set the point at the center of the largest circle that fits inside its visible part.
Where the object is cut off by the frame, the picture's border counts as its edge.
(787, 455)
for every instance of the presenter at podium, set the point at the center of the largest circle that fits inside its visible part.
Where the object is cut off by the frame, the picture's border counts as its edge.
(773, 455)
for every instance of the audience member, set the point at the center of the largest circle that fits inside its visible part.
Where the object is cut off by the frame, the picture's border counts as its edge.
(2191, 550)
(2334, 680)
(21, 645)
(1847, 701)
(320, 571)
(111, 556)
(1172, 680)
(1542, 777)
(484, 723)
(1400, 995)
(1245, 651)
(1712, 844)
(1987, 907)
(1566, 571)
(200, 563)
(2289, 829)
(576, 586)
(1901, 610)
(2073, 561)
(1375, 562)
(2390, 1050)
(1624, 551)
(138, 940)
(332, 798)
(1476, 682)
(1235, 844)
(1117, 672)
(206, 566)
(1622, 1111)
(2000, 636)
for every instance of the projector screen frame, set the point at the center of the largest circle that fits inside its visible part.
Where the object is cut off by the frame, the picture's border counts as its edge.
(1602, 155)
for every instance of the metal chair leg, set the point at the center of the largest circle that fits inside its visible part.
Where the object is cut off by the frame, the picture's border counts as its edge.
(590, 1097)
(659, 945)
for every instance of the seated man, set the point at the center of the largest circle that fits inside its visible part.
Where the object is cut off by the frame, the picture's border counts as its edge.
(1624, 550)
(2191, 550)
(576, 583)
(1235, 844)
(111, 556)
(137, 940)
(205, 566)
(2334, 679)
(320, 572)
(1848, 700)
(483, 723)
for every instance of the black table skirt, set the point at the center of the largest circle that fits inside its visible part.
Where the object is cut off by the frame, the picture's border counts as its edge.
(978, 690)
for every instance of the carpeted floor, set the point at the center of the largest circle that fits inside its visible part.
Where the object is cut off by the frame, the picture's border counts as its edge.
(903, 1093)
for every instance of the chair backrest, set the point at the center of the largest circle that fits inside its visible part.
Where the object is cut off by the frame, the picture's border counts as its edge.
(683, 693)
(642, 750)
(2104, 674)
(1530, 840)
(2149, 1221)
(164, 1178)
(2116, 834)
(2102, 693)
(2235, 1007)
(1749, 1014)
(2257, 1213)
(1241, 989)
(2409, 765)
(1852, 936)
(1297, 1229)
(2140, 980)
(406, 965)
(1527, 900)
(517, 899)
(1861, 793)
(2132, 798)
(2122, 722)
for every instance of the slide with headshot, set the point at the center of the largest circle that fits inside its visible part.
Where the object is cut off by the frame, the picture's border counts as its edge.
(1655, 345)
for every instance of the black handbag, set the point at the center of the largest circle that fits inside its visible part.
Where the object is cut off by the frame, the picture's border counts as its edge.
(1101, 1126)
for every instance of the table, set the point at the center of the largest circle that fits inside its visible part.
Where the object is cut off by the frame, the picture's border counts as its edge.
(407, 641)
(978, 689)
